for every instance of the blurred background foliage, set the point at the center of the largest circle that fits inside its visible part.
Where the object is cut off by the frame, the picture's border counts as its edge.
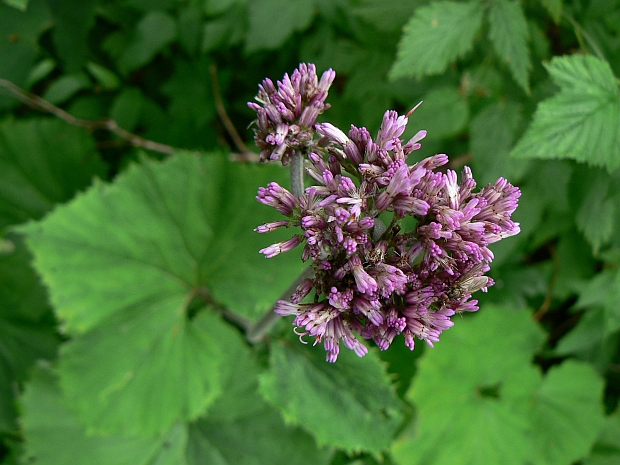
(536, 381)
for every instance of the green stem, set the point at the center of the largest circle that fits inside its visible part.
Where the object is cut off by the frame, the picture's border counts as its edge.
(257, 332)
(580, 31)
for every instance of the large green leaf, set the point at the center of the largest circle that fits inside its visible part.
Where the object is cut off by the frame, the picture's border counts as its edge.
(606, 451)
(55, 437)
(27, 330)
(123, 263)
(582, 121)
(241, 428)
(349, 404)
(508, 32)
(480, 382)
(42, 162)
(436, 35)
(567, 414)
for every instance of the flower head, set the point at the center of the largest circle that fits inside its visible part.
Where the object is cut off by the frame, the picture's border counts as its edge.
(286, 114)
(371, 280)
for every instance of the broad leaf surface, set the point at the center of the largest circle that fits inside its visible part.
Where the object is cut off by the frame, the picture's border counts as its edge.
(567, 413)
(606, 451)
(582, 121)
(27, 331)
(508, 32)
(435, 36)
(54, 435)
(122, 263)
(478, 381)
(349, 404)
(241, 428)
(42, 162)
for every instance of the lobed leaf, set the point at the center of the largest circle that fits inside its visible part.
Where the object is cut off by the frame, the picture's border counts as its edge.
(582, 121)
(509, 33)
(54, 435)
(477, 381)
(42, 162)
(124, 262)
(349, 404)
(435, 36)
(27, 330)
(567, 413)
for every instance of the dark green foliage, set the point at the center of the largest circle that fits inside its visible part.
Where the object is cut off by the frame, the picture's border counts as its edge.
(118, 264)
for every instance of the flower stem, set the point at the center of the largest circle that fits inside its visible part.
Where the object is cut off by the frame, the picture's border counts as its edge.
(256, 333)
(297, 174)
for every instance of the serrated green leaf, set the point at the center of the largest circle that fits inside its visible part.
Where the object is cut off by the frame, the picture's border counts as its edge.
(42, 162)
(582, 121)
(606, 451)
(349, 404)
(273, 21)
(478, 381)
(241, 428)
(567, 413)
(153, 33)
(492, 134)
(444, 112)
(123, 262)
(72, 21)
(27, 330)
(435, 36)
(509, 33)
(109, 374)
(259, 437)
(55, 437)
(612, 309)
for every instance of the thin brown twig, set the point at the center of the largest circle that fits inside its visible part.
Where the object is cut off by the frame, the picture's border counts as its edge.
(108, 124)
(245, 154)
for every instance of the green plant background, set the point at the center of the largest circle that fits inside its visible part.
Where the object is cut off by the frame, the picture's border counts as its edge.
(120, 267)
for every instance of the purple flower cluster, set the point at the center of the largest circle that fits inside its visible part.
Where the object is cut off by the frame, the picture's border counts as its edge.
(379, 281)
(286, 115)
